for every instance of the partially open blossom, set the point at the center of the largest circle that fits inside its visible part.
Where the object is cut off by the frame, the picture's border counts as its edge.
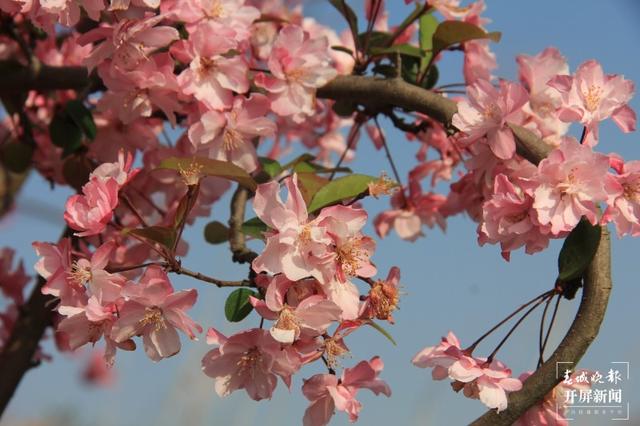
(327, 393)
(298, 65)
(592, 96)
(249, 360)
(90, 212)
(487, 112)
(154, 311)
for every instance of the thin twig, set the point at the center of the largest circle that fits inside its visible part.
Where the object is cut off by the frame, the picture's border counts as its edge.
(546, 338)
(205, 278)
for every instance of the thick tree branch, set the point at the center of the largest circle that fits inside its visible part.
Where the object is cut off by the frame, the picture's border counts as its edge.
(17, 78)
(381, 93)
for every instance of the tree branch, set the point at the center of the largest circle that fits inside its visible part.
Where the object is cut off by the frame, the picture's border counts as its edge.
(17, 78)
(237, 240)
(381, 93)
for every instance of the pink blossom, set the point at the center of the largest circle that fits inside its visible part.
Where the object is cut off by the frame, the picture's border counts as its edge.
(509, 219)
(120, 170)
(328, 393)
(591, 96)
(92, 211)
(570, 184)
(478, 378)
(352, 249)
(479, 61)
(535, 72)
(229, 135)
(128, 43)
(298, 65)
(213, 76)
(311, 317)
(296, 246)
(154, 311)
(624, 199)
(55, 266)
(138, 92)
(12, 282)
(487, 112)
(249, 360)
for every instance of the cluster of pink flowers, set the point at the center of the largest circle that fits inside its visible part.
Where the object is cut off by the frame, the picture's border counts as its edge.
(304, 274)
(478, 378)
(96, 303)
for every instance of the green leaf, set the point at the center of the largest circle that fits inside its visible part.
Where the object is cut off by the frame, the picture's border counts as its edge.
(309, 184)
(254, 227)
(16, 156)
(299, 159)
(271, 167)
(210, 167)
(346, 187)
(450, 33)
(382, 331)
(82, 117)
(578, 250)
(237, 306)
(65, 133)
(309, 167)
(427, 25)
(349, 15)
(403, 49)
(216, 232)
(432, 77)
(160, 234)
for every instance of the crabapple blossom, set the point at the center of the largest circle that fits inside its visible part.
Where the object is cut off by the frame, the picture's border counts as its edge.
(250, 360)
(128, 43)
(509, 219)
(298, 66)
(311, 316)
(229, 135)
(534, 73)
(154, 311)
(479, 378)
(328, 393)
(487, 112)
(590, 96)
(624, 202)
(92, 211)
(571, 181)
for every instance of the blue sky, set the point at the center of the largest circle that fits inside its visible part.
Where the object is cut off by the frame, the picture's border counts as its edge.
(449, 283)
